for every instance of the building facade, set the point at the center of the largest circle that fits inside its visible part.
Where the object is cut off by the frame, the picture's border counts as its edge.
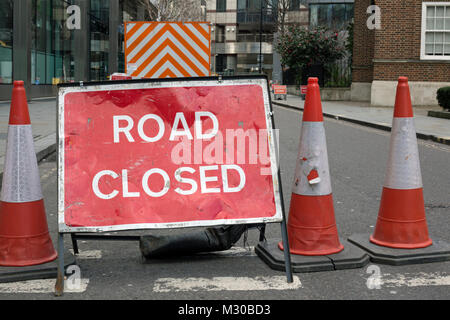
(42, 45)
(243, 31)
(413, 41)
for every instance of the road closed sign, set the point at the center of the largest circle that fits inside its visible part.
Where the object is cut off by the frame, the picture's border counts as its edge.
(152, 154)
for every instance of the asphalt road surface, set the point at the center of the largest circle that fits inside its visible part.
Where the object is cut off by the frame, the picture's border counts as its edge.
(357, 157)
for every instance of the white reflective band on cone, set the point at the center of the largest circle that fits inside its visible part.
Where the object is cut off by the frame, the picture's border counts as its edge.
(312, 155)
(21, 181)
(403, 171)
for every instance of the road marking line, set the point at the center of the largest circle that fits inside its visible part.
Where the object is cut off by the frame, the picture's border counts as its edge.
(40, 286)
(421, 279)
(225, 284)
(234, 252)
(88, 254)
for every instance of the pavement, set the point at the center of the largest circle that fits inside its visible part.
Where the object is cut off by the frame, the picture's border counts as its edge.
(43, 119)
(427, 128)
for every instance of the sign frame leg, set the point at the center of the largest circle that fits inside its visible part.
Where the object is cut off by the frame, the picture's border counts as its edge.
(59, 286)
(284, 236)
(283, 224)
(262, 233)
(74, 243)
(287, 253)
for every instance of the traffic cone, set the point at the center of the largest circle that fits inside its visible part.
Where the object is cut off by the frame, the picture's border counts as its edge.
(312, 233)
(401, 233)
(401, 219)
(24, 236)
(312, 227)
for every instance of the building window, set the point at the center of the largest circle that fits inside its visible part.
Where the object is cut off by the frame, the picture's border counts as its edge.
(221, 62)
(221, 5)
(51, 54)
(334, 16)
(220, 33)
(129, 11)
(435, 44)
(99, 42)
(249, 11)
(251, 5)
(294, 5)
(6, 40)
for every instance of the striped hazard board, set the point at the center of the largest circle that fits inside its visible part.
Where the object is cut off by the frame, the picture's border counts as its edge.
(167, 49)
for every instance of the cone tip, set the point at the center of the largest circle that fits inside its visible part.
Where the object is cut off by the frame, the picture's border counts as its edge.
(403, 106)
(313, 105)
(18, 84)
(19, 107)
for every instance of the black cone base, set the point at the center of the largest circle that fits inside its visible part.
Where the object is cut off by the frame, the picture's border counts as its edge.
(438, 251)
(47, 270)
(349, 258)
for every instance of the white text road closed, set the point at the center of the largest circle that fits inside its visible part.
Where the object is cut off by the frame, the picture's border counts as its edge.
(205, 174)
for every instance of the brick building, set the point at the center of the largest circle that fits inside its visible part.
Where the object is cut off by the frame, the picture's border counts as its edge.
(413, 41)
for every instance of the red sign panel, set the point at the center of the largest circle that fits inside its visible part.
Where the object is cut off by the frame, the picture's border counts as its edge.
(120, 76)
(303, 89)
(161, 154)
(279, 89)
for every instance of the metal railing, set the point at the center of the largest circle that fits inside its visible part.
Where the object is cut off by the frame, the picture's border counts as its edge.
(338, 74)
(265, 37)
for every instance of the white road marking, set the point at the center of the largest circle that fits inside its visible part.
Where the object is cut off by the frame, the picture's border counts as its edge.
(88, 254)
(225, 284)
(420, 279)
(40, 286)
(234, 252)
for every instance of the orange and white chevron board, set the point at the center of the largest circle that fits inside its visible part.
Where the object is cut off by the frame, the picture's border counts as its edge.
(167, 49)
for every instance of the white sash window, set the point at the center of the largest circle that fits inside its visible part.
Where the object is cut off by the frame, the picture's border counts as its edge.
(435, 42)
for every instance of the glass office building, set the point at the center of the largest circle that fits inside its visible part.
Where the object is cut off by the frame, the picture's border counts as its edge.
(46, 42)
(334, 15)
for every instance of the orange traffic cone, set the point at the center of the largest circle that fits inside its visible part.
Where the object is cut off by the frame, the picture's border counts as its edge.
(312, 227)
(312, 233)
(401, 218)
(401, 233)
(24, 236)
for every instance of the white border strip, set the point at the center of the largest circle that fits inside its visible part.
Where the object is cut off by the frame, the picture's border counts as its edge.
(277, 217)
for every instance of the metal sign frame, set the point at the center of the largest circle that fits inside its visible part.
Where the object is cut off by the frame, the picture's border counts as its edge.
(279, 216)
(196, 82)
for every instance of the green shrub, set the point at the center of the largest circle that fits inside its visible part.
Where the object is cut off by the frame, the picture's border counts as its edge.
(443, 97)
(302, 47)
